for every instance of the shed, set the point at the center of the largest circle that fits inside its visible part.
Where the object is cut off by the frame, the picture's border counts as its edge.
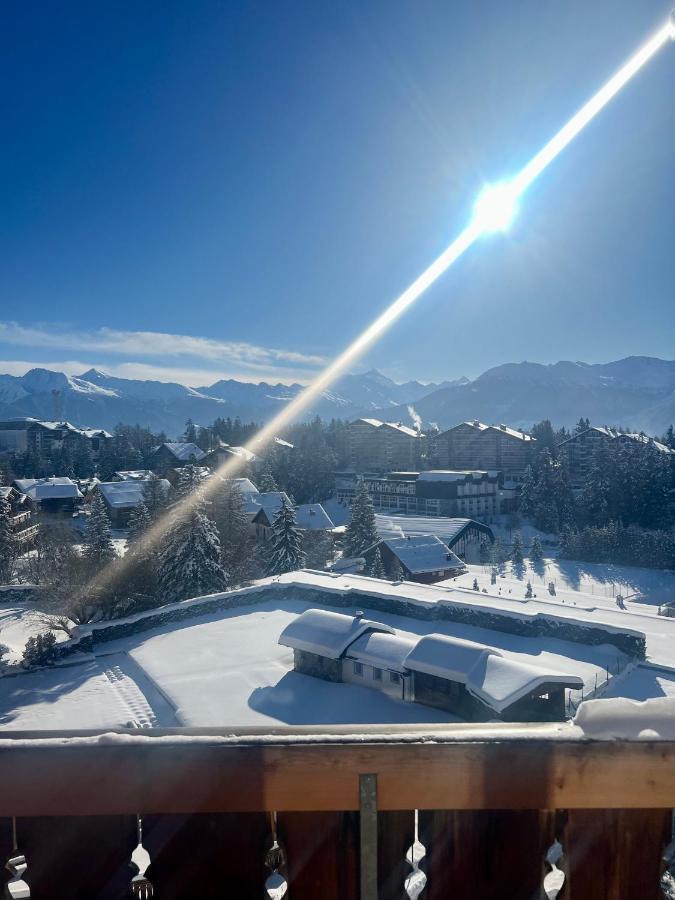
(422, 557)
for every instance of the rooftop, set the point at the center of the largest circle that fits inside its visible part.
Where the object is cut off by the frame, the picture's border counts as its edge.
(423, 553)
(56, 488)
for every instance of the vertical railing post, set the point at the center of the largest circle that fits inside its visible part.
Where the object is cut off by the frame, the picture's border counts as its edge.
(368, 832)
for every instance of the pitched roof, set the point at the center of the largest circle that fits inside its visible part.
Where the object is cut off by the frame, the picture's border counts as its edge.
(423, 553)
(270, 502)
(126, 494)
(313, 517)
(184, 451)
(447, 529)
(48, 488)
(497, 681)
(397, 426)
(386, 651)
(327, 633)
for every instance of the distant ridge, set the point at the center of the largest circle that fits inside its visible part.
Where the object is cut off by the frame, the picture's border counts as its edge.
(638, 391)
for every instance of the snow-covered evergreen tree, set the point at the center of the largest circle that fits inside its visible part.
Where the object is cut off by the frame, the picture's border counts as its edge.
(230, 517)
(361, 532)
(189, 479)
(139, 522)
(154, 496)
(376, 569)
(517, 548)
(190, 560)
(396, 572)
(528, 591)
(484, 551)
(536, 549)
(98, 545)
(286, 552)
(7, 543)
(527, 492)
(265, 481)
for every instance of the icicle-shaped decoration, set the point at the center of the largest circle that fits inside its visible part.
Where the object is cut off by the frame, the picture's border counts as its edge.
(416, 880)
(16, 888)
(276, 886)
(555, 879)
(140, 860)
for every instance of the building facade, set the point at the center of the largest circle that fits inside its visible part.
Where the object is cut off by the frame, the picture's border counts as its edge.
(577, 452)
(28, 435)
(370, 445)
(475, 445)
(475, 494)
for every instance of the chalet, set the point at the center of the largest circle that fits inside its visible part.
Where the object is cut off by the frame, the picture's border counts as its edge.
(24, 530)
(50, 496)
(28, 435)
(475, 445)
(121, 498)
(473, 681)
(462, 536)
(133, 475)
(308, 516)
(224, 453)
(578, 451)
(171, 455)
(376, 446)
(423, 558)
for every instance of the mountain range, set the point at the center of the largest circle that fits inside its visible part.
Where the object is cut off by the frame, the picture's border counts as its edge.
(637, 392)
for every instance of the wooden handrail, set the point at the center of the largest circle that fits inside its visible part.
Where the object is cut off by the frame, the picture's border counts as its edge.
(450, 768)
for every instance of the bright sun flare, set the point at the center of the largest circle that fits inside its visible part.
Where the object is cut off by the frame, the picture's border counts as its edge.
(496, 207)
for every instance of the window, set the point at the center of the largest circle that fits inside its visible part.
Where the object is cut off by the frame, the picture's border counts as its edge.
(358, 669)
(377, 674)
(394, 677)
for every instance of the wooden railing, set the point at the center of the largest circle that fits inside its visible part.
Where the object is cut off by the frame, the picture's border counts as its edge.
(334, 815)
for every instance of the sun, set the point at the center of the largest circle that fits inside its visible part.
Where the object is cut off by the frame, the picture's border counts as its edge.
(496, 207)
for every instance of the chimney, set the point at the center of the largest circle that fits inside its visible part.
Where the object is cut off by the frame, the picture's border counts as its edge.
(358, 614)
(503, 427)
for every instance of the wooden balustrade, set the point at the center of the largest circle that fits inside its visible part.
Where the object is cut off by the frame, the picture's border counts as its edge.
(492, 801)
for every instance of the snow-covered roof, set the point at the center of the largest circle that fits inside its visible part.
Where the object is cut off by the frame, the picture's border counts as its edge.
(281, 443)
(134, 475)
(270, 501)
(397, 426)
(448, 530)
(504, 429)
(185, 451)
(386, 651)
(48, 488)
(455, 475)
(497, 681)
(126, 494)
(245, 485)
(340, 513)
(612, 433)
(312, 517)
(422, 553)
(60, 426)
(327, 633)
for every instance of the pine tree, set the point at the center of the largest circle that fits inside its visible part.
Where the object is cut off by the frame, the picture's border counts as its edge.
(266, 482)
(287, 554)
(189, 479)
(536, 549)
(517, 549)
(98, 545)
(7, 542)
(361, 532)
(484, 551)
(190, 561)
(377, 569)
(475, 584)
(230, 517)
(190, 435)
(528, 591)
(155, 496)
(396, 572)
(139, 522)
(527, 492)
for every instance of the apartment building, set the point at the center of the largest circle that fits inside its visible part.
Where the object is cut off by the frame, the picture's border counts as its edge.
(475, 445)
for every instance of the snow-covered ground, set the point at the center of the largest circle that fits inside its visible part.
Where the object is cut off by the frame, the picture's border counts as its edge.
(577, 582)
(18, 622)
(228, 670)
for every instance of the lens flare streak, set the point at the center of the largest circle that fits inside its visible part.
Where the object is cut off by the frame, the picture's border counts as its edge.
(494, 210)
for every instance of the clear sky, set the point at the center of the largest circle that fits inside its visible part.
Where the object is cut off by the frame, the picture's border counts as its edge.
(209, 189)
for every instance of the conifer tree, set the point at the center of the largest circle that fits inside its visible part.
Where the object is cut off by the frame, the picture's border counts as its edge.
(155, 496)
(98, 545)
(266, 482)
(484, 551)
(517, 549)
(396, 572)
(528, 591)
(287, 554)
(377, 569)
(361, 532)
(190, 561)
(7, 543)
(536, 549)
(189, 480)
(139, 522)
(230, 517)
(527, 492)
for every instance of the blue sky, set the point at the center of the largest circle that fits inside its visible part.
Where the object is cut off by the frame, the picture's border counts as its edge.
(211, 189)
